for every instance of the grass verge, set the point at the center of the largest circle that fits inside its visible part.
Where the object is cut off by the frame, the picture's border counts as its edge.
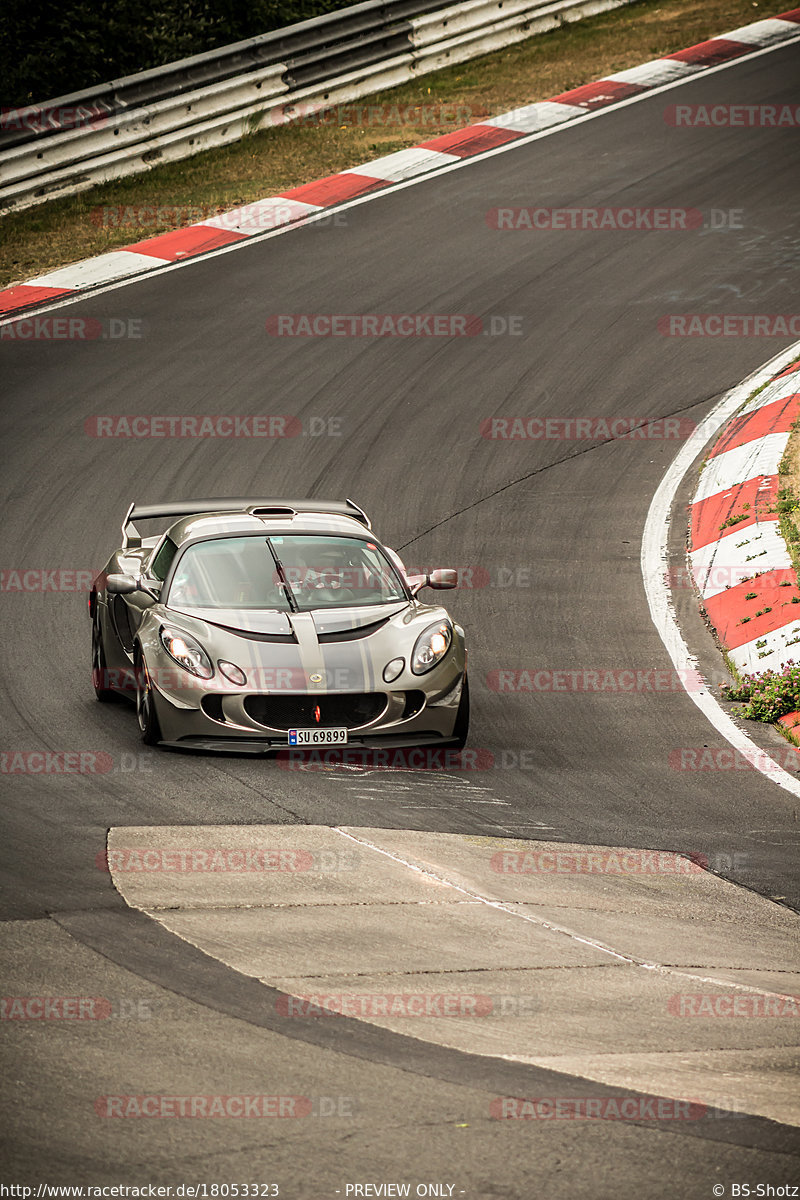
(788, 505)
(269, 162)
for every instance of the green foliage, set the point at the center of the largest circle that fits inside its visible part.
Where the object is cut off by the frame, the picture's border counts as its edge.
(768, 696)
(50, 49)
(734, 520)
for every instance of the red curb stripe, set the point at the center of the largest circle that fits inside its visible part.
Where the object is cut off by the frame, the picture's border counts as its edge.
(760, 493)
(472, 140)
(600, 93)
(790, 720)
(726, 609)
(23, 295)
(789, 370)
(179, 243)
(712, 52)
(792, 15)
(333, 189)
(777, 417)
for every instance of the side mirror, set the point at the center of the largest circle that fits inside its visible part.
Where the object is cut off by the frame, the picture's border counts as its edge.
(121, 585)
(439, 580)
(444, 578)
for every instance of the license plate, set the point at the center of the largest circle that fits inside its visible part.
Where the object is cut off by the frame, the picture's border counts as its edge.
(317, 737)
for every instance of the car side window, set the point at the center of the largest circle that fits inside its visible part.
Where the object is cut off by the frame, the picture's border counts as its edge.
(163, 559)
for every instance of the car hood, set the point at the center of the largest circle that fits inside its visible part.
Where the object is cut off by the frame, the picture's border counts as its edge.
(271, 622)
(341, 620)
(242, 620)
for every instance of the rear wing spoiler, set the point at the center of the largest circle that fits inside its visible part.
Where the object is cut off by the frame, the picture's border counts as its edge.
(132, 539)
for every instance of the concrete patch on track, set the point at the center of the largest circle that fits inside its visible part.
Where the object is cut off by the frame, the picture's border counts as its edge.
(621, 965)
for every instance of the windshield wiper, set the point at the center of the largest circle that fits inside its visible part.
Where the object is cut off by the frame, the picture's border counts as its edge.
(284, 583)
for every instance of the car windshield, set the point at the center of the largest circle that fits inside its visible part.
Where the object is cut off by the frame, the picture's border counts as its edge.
(296, 573)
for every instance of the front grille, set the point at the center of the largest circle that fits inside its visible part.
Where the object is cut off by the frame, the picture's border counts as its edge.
(348, 710)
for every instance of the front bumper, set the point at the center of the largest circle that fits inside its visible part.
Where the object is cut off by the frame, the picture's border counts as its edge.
(185, 721)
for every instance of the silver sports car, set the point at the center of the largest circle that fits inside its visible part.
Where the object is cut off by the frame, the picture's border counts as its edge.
(254, 624)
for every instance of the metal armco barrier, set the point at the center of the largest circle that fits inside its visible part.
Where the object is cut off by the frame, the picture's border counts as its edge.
(66, 145)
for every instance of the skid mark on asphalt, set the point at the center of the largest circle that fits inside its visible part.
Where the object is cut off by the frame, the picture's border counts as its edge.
(453, 789)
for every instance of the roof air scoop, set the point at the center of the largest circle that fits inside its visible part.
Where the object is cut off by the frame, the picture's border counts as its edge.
(274, 513)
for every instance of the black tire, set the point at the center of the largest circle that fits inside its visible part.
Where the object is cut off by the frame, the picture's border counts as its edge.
(145, 704)
(99, 669)
(461, 727)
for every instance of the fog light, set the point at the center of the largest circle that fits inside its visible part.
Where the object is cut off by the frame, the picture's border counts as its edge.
(393, 669)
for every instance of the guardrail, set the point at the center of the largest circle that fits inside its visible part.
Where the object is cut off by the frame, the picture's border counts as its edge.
(71, 143)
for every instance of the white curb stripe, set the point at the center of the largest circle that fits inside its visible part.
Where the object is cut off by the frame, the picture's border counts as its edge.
(99, 270)
(656, 73)
(405, 164)
(261, 215)
(759, 655)
(723, 564)
(744, 462)
(533, 117)
(769, 32)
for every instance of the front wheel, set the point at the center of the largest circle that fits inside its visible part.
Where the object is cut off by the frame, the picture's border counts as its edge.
(461, 727)
(145, 704)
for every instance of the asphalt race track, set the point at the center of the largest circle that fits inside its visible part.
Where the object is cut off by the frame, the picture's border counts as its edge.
(551, 527)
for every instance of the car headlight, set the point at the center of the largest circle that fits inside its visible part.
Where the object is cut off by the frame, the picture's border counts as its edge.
(187, 653)
(431, 645)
